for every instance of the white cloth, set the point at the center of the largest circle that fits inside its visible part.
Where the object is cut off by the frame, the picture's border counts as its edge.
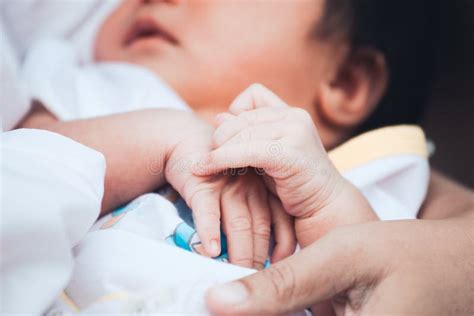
(28, 21)
(69, 90)
(125, 266)
(25, 22)
(395, 186)
(14, 102)
(52, 190)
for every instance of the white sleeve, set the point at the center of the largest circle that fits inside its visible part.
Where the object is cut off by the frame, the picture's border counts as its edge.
(71, 91)
(395, 186)
(52, 189)
(14, 103)
(30, 20)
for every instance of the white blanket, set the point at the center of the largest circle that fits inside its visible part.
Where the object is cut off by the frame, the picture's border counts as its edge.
(51, 194)
(70, 90)
(27, 21)
(14, 101)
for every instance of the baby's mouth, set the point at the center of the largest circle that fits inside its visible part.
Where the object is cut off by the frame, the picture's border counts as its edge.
(148, 29)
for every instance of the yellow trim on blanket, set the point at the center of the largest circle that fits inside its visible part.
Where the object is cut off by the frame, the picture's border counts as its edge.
(379, 143)
(69, 302)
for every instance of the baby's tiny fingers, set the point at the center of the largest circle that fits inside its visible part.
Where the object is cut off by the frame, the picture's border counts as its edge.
(222, 117)
(264, 154)
(255, 96)
(227, 130)
(206, 215)
(262, 132)
(230, 125)
(266, 132)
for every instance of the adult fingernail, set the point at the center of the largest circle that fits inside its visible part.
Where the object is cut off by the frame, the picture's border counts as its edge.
(233, 293)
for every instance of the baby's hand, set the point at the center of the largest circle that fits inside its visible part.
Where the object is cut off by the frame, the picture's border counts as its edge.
(261, 131)
(240, 201)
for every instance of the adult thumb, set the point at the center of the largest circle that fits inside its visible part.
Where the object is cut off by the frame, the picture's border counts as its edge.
(317, 273)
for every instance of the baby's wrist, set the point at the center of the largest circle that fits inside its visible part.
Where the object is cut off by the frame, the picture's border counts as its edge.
(346, 206)
(191, 140)
(180, 128)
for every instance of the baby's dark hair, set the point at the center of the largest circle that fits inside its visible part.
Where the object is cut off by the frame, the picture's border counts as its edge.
(405, 31)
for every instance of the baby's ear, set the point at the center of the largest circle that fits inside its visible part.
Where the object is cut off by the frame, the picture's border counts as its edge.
(352, 94)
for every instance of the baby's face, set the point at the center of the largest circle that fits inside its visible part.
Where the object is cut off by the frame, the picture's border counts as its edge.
(211, 50)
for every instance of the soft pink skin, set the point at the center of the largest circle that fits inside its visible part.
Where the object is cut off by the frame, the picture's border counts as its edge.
(221, 47)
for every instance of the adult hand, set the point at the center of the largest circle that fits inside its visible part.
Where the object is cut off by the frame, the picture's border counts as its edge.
(377, 268)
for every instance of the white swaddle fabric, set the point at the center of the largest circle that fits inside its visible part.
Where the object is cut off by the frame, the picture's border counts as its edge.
(25, 22)
(390, 167)
(51, 194)
(74, 91)
(395, 186)
(28, 21)
(14, 102)
(129, 269)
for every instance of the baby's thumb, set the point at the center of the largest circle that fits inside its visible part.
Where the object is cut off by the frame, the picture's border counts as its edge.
(311, 276)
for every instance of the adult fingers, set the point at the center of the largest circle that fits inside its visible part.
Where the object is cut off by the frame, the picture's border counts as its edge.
(237, 224)
(284, 232)
(255, 96)
(261, 227)
(206, 214)
(332, 265)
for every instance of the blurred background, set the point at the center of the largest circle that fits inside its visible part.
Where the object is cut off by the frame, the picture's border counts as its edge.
(449, 117)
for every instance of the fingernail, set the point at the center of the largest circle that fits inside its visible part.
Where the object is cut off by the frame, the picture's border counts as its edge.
(258, 266)
(233, 293)
(214, 245)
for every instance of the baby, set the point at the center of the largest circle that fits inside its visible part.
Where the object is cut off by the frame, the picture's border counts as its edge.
(310, 53)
